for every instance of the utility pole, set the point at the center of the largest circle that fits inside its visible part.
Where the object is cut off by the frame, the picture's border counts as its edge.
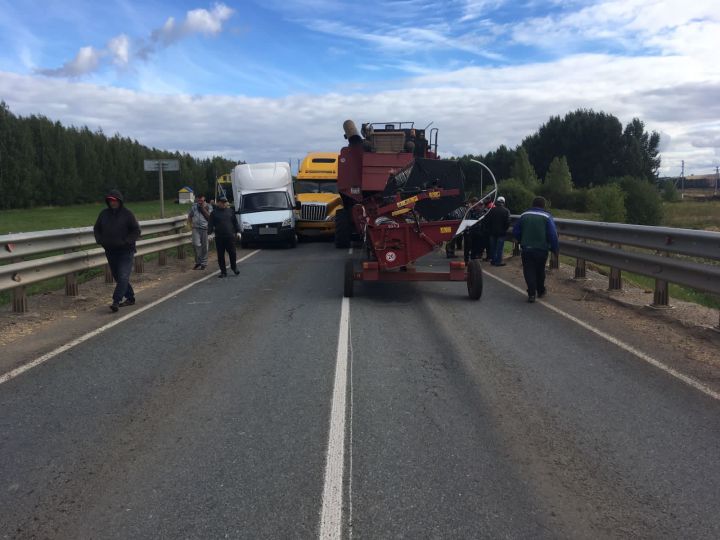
(717, 178)
(682, 180)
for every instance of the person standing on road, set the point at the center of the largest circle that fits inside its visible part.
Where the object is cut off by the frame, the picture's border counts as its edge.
(225, 226)
(198, 219)
(536, 232)
(117, 230)
(498, 221)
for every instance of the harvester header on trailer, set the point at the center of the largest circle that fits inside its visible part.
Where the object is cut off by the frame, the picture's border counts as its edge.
(397, 197)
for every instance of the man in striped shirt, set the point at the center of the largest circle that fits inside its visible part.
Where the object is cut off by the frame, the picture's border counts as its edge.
(536, 232)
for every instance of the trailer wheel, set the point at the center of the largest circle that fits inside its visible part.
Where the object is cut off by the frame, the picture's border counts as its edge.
(343, 232)
(474, 280)
(349, 279)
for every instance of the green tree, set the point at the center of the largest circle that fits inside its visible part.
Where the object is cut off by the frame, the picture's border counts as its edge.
(642, 202)
(523, 171)
(558, 182)
(670, 192)
(640, 156)
(609, 202)
(518, 197)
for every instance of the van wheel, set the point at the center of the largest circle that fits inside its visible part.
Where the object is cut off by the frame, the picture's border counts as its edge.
(343, 229)
(474, 280)
(349, 279)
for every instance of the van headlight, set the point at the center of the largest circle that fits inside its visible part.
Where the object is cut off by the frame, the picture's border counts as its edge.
(286, 223)
(246, 226)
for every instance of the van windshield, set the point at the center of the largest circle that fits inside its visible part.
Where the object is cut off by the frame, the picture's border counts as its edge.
(261, 202)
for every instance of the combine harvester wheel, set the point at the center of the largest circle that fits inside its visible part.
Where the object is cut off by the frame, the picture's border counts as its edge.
(474, 280)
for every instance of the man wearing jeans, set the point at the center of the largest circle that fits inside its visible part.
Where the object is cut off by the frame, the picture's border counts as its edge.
(498, 222)
(536, 232)
(198, 218)
(117, 230)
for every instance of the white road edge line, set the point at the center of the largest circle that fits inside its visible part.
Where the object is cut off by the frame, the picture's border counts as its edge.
(44, 358)
(629, 348)
(332, 499)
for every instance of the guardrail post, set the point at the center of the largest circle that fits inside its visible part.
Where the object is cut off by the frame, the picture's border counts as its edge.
(661, 294)
(181, 252)
(162, 255)
(580, 269)
(554, 261)
(516, 248)
(139, 264)
(71, 284)
(615, 281)
(20, 303)
(108, 274)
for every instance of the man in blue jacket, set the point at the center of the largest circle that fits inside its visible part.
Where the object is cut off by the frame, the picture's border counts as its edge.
(536, 232)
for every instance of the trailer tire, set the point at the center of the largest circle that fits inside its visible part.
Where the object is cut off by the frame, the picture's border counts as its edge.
(343, 229)
(474, 280)
(349, 281)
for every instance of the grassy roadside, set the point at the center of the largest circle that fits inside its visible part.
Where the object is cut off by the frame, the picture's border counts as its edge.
(78, 215)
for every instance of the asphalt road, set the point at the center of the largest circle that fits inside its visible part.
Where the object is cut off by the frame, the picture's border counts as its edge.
(207, 417)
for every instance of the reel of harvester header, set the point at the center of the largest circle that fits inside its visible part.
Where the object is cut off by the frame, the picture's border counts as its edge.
(403, 202)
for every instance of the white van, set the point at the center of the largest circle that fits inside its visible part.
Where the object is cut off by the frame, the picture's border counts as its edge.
(264, 203)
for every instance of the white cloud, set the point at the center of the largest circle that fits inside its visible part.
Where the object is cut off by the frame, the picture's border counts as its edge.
(476, 109)
(119, 48)
(86, 61)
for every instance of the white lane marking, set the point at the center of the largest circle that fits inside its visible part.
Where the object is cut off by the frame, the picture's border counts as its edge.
(629, 348)
(52, 354)
(331, 512)
(350, 436)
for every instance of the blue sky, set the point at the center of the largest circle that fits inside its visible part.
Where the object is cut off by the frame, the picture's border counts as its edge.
(272, 80)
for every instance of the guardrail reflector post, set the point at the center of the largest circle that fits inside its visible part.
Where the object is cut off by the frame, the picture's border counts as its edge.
(661, 294)
(580, 269)
(554, 262)
(71, 284)
(139, 264)
(615, 282)
(108, 274)
(20, 304)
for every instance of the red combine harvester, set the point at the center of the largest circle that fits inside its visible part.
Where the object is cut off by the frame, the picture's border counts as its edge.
(397, 195)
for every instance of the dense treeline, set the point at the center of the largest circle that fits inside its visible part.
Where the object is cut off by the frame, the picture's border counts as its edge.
(585, 161)
(44, 163)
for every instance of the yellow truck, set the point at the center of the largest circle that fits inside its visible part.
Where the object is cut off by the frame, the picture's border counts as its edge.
(316, 191)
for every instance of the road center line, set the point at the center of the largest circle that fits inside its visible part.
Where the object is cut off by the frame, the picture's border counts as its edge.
(52, 354)
(332, 500)
(629, 348)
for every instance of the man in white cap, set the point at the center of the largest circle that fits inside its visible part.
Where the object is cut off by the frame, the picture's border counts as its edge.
(498, 222)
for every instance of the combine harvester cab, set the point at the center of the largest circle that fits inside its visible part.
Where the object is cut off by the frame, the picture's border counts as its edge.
(397, 196)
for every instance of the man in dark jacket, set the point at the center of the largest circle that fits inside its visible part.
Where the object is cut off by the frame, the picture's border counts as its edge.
(225, 226)
(117, 230)
(536, 232)
(498, 221)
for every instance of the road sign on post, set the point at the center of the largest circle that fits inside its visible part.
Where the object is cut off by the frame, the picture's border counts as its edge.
(161, 165)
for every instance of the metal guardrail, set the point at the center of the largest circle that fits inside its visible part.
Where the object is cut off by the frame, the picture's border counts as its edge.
(19, 245)
(17, 272)
(661, 264)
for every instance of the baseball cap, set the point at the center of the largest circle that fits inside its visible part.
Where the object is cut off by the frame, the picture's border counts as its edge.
(501, 199)
(223, 199)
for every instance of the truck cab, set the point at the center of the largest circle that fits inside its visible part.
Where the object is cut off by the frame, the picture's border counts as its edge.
(317, 194)
(264, 203)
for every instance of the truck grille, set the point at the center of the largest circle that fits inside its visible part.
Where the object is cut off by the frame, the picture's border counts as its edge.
(313, 212)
